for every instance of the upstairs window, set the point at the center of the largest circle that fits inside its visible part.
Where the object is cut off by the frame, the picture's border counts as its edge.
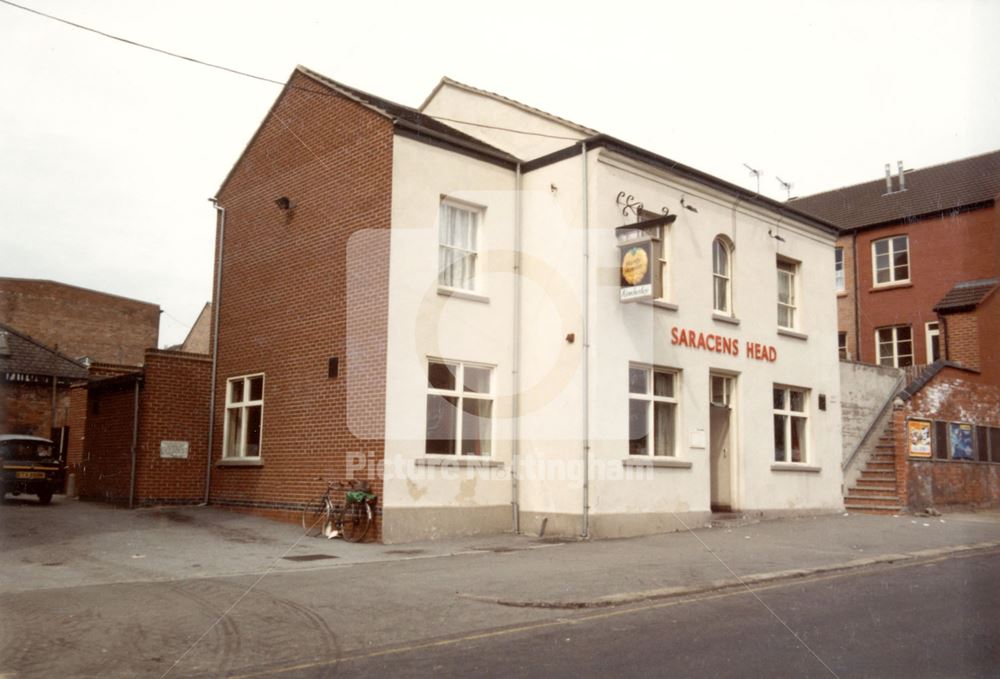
(787, 298)
(244, 416)
(721, 277)
(458, 237)
(838, 269)
(891, 260)
(895, 346)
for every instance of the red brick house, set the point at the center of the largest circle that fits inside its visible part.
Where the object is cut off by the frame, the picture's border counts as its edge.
(79, 322)
(905, 242)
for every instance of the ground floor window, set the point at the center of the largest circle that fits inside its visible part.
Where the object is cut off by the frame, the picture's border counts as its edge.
(790, 424)
(244, 416)
(652, 411)
(895, 346)
(459, 408)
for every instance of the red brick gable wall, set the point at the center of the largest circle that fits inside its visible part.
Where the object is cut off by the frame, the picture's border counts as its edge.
(283, 307)
(80, 322)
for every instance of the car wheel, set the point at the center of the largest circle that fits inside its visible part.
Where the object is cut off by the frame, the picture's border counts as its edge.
(45, 496)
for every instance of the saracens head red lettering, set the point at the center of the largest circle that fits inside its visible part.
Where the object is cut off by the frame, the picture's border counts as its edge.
(721, 345)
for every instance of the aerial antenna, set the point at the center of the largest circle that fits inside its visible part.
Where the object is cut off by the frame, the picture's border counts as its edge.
(755, 173)
(787, 186)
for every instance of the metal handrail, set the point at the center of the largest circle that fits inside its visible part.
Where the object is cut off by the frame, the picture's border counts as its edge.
(900, 381)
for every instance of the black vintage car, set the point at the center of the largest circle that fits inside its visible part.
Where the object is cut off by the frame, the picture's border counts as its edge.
(30, 465)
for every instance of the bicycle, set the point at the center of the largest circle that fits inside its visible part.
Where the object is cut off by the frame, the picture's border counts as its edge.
(351, 521)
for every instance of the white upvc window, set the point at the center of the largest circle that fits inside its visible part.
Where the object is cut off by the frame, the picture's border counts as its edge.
(652, 411)
(722, 294)
(787, 296)
(459, 408)
(838, 269)
(458, 245)
(895, 346)
(891, 260)
(244, 416)
(932, 336)
(791, 420)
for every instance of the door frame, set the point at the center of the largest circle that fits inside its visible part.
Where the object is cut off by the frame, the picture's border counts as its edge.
(735, 485)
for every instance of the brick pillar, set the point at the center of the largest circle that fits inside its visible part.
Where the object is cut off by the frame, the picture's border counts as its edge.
(962, 338)
(901, 442)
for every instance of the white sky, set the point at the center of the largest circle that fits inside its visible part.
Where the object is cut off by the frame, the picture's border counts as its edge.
(109, 152)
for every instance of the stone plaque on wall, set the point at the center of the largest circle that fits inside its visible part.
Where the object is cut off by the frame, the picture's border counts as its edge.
(174, 449)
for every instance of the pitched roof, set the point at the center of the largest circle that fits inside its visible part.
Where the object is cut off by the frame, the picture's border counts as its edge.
(967, 295)
(507, 100)
(24, 355)
(401, 112)
(930, 190)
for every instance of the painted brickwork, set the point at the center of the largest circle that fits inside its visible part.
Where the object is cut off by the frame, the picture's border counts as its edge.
(943, 251)
(80, 322)
(284, 298)
(952, 396)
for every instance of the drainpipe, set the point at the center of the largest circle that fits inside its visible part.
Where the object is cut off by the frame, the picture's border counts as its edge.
(135, 439)
(585, 331)
(516, 377)
(855, 297)
(221, 221)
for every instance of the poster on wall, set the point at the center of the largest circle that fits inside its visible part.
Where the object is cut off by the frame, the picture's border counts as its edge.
(920, 438)
(960, 436)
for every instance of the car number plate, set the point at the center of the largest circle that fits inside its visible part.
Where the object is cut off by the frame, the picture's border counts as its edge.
(31, 475)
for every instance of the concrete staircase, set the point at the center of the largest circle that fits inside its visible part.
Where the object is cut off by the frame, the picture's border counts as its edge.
(875, 490)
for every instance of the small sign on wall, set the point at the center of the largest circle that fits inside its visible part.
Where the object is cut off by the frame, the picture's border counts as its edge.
(174, 449)
(636, 271)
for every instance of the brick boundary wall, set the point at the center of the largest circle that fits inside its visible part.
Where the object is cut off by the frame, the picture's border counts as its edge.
(953, 396)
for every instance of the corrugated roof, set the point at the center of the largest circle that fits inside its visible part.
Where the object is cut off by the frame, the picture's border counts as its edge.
(27, 356)
(930, 190)
(967, 295)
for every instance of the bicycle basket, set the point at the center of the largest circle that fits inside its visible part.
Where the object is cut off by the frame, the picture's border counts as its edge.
(358, 496)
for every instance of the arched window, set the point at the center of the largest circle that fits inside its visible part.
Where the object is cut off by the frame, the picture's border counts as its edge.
(722, 293)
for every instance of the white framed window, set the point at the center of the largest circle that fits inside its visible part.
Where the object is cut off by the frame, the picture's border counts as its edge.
(721, 387)
(244, 416)
(891, 260)
(894, 346)
(791, 420)
(932, 337)
(838, 269)
(842, 346)
(459, 408)
(652, 411)
(787, 296)
(458, 245)
(722, 293)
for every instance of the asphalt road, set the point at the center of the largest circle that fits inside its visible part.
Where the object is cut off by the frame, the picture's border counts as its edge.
(930, 619)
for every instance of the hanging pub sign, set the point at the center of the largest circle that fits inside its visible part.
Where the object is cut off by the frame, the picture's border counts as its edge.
(635, 265)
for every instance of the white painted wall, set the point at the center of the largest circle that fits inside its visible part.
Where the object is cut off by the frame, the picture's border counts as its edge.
(458, 103)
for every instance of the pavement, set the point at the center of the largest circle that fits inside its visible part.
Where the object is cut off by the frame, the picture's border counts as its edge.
(73, 544)
(201, 590)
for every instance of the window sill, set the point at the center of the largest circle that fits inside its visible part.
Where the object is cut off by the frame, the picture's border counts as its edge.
(725, 319)
(240, 462)
(461, 461)
(661, 304)
(786, 332)
(890, 286)
(841, 293)
(795, 467)
(656, 462)
(463, 294)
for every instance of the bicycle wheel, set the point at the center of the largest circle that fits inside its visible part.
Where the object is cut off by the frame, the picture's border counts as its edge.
(315, 516)
(355, 519)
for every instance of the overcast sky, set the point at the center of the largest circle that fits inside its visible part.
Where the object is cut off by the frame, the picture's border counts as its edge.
(108, 152)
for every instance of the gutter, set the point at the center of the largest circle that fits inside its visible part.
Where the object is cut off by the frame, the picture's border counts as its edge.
(221, 222)
(585, 332)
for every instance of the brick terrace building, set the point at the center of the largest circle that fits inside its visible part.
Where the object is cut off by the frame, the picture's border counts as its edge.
(905, 242)
(79, 322)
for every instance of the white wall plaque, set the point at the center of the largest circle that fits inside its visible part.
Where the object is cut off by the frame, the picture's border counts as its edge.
(174, 449)
(698, 438)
